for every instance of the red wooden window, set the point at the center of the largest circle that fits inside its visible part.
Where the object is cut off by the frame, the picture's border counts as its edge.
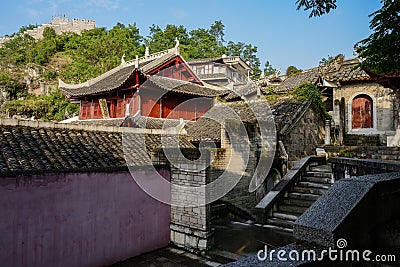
(362, 112)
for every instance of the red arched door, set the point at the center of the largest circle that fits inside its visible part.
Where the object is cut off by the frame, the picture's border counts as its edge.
(362, 113)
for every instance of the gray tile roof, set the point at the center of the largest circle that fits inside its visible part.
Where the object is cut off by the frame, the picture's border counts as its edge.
(114, 78)
(106, 82)
(151, 123)
(30, 150)
(286, 112)
(347, 70)
(295, 80)
(103, 122)
(205, 60)
(183, 87)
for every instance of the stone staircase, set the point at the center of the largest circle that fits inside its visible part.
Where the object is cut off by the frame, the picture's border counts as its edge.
(361, 140)
(304, 193)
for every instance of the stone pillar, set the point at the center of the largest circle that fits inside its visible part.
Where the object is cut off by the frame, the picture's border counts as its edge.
(327, 132)
(190, 213)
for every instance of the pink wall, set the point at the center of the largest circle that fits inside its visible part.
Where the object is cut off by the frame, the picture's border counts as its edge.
(85, 219)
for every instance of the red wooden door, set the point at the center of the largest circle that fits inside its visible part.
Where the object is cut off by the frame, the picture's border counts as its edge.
(362, 113)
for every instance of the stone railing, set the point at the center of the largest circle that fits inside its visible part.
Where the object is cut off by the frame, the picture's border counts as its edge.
(272, 198)
(351, 167)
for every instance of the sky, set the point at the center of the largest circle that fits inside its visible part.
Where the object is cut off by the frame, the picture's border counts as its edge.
(284, 36)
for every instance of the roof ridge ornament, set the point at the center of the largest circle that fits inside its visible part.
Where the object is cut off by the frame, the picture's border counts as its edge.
(137, 62)
(176, 48)
(147, 52)
(123, 59)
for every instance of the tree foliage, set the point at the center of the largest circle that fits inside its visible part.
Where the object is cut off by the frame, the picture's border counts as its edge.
(317, 7)
(381, 50)
(292, 70)
(308, 91)
(54, 107)
(268, 69)
(76, 58)
(217, 30)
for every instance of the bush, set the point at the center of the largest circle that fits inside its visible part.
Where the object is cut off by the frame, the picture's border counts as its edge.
(308, 91)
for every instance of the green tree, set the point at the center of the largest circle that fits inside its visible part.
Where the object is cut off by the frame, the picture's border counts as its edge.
(292, 70)
(202, 44)
(49, 33)
(217, 30)
(381, 50)
(10, 85)
(268, 69)
(317, 7)
(160, 39)
(247, 52)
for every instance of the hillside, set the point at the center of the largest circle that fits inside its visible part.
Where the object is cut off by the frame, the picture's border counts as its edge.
(29, 68)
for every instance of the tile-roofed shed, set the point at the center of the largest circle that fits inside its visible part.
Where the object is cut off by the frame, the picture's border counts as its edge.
(295, 80)
(285, 113)
(344, 70)
(53, 148)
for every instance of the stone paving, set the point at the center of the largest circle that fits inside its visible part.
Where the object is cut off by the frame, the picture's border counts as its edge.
(167, 257)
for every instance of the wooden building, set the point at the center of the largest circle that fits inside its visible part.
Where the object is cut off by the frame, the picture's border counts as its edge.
(159, 85)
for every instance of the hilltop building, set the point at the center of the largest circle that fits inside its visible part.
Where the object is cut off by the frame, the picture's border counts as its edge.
(60, 24)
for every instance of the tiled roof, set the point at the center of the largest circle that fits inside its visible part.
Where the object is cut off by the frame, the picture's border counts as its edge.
(151, 123)
(103, 122)
(285, 112)
(114, 78)
(157, 62)
(347, 70)
(295, 80)
(103, 83)
(184, 87)
(205, 60)
(28, 150)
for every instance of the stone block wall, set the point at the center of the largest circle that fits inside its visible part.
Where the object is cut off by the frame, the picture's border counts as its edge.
(304, 136)
(384, 116)
(365, 152)
(190, 228)
(230, 160)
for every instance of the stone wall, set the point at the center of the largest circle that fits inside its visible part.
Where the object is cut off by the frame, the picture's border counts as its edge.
(343, 167)
(229, 162)
(190, 227)
(365, 152)
(304, 136)
(383, 117)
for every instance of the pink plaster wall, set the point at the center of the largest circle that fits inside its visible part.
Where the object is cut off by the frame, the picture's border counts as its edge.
(86, 219)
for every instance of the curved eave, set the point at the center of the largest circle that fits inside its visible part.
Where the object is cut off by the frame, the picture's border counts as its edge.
(93, 86)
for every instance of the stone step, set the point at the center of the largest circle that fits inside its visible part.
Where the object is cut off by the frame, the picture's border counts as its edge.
(285, 216)
(308, 190)
(281, 223)
(223, 257)
(312, 197)
(278, 228)
(313, 185)
(322, 168)
(298, 202)
(292, 209)
(317, 180)
(318, 174)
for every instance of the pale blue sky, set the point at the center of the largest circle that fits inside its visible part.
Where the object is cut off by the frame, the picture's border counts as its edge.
(283, 35)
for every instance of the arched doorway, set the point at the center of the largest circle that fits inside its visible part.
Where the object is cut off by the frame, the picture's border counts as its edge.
(362, 112)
